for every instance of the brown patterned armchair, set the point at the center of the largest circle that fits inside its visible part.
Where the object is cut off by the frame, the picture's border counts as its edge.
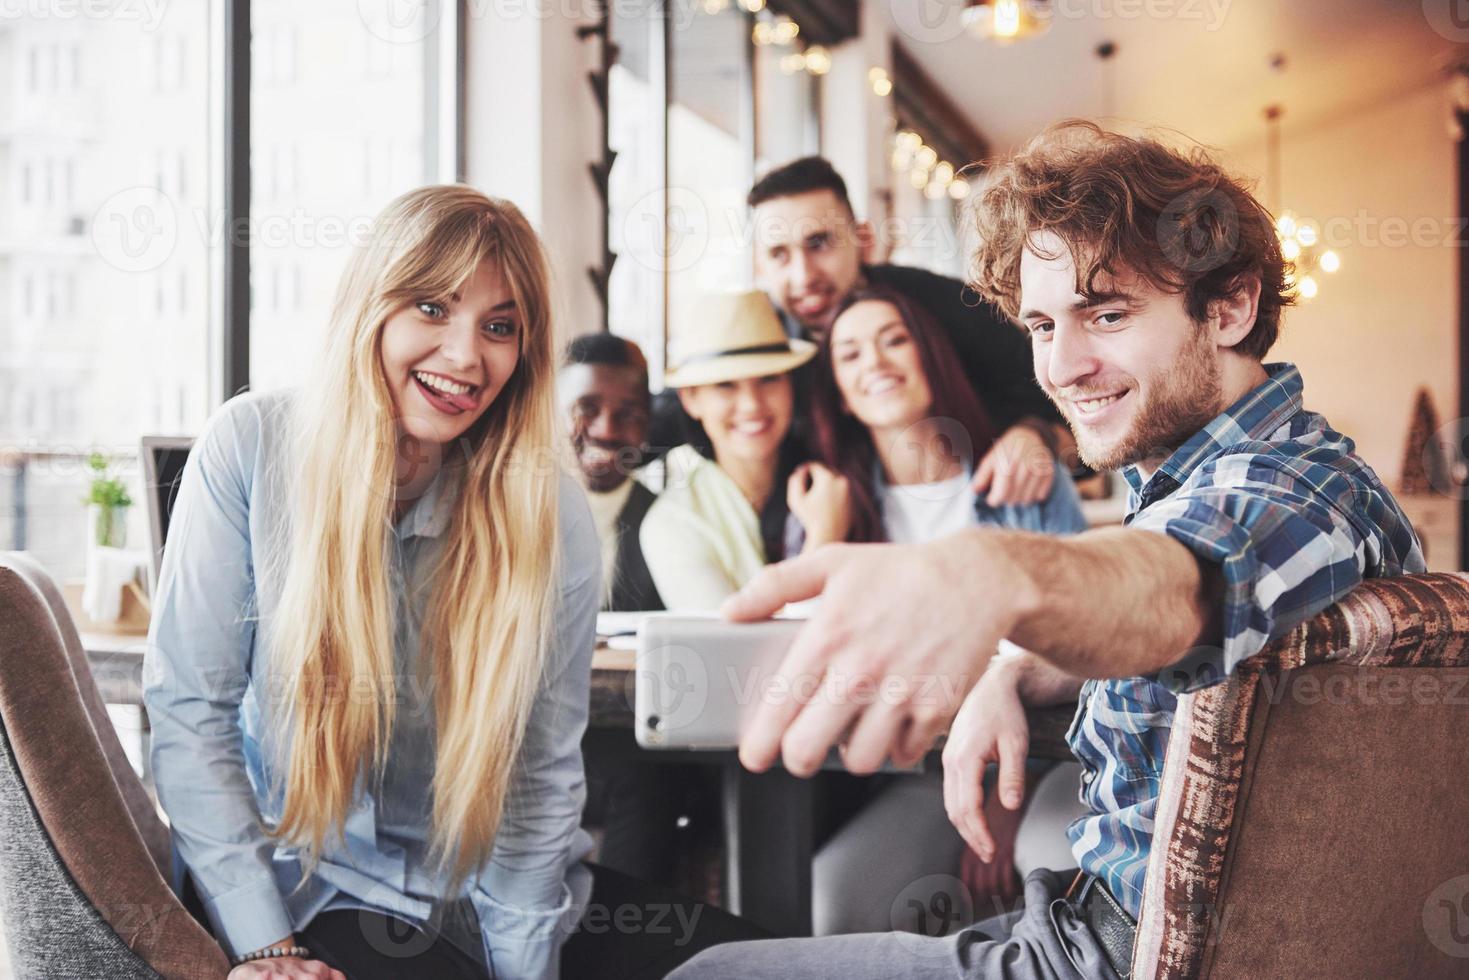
(1314, 811)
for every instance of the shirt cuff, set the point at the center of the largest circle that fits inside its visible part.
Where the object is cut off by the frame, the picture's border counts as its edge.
(524, 943)
(249, 918)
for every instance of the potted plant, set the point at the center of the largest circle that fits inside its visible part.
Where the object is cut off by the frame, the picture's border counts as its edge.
(107, 506)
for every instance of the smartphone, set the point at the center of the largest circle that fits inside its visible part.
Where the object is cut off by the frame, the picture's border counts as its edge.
(699, 679)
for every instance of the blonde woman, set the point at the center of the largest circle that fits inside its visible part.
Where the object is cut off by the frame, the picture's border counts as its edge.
(369, 662)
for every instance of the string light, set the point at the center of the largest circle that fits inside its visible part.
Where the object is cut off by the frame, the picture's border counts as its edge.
(1300, 241)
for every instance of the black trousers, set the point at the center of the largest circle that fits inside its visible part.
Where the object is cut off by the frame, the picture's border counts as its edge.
(632, 930)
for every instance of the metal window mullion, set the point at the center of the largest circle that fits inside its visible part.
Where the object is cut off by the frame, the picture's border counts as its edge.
(235, 199)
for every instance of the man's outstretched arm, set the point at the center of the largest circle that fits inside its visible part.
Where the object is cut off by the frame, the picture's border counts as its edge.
(903, 632)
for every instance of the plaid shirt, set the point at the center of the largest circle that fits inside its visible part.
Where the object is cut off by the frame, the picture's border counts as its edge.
(1279, 500)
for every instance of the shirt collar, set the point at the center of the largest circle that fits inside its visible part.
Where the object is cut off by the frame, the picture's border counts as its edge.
(429, 515)
(1261, 411)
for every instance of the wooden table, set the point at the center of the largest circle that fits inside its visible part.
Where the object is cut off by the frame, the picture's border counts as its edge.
(768, 828)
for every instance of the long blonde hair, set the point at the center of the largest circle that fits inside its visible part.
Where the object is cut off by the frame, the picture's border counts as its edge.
(490, 607)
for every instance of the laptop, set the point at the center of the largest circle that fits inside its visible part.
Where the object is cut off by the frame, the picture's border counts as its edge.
(163, 469)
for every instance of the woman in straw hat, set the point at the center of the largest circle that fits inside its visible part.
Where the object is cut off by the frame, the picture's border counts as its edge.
(721, 516)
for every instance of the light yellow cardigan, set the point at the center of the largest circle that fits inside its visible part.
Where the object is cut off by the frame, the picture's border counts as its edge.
(701, 537)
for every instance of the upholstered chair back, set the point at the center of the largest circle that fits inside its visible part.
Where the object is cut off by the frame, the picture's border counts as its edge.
(1314, 815)
(80, 844)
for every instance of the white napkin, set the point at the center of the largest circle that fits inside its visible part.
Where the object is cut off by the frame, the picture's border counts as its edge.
(109, 570)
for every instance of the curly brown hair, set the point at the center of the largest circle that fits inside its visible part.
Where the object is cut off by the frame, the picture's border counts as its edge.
(1130, 205)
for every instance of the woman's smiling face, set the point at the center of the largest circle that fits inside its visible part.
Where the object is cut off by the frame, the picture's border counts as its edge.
(877, 367)
(746, 419)
(446, 358)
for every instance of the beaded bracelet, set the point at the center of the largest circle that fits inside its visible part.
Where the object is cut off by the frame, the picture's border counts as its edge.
(272, 953)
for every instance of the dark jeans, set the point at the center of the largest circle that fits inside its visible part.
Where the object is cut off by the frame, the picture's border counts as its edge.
(631, 931)
(638, 801)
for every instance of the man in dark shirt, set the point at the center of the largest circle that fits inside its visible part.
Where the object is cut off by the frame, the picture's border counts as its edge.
(810, 252)
(603, 390)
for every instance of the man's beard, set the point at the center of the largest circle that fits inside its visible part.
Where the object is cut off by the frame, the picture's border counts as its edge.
(1182, 399)
(610, 475)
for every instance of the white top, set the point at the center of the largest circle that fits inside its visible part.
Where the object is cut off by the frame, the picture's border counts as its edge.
(913, 513)
(606, 507)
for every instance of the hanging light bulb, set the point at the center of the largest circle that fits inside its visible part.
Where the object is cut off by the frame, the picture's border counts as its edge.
(959, 189)
(926, 157)
(918, 178)
(1006, 21)
(944, 172)
(1290, 249)
(1308, 287)
(792, 63)
(1285, 225)
(752, 6)
(818, 60)
(1306, 235)
(762, 34)
(1330, 261)
(934, 190)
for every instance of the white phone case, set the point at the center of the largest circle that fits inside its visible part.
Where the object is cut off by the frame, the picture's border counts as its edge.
(700, 678)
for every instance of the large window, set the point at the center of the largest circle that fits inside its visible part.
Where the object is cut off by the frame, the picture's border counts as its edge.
(787, 121)
(105, 331)
(636, 197)
(710, 160)
(115, 231)
(344, 117)
(697, 110)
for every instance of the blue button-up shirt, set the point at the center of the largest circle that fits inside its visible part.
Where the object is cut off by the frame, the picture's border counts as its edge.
(1279, 501)
(209, 698)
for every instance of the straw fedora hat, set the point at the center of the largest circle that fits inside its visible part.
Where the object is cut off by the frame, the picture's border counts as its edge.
(730, 336)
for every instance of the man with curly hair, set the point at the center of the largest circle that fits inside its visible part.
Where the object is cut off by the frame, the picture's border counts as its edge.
(1151, 285)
